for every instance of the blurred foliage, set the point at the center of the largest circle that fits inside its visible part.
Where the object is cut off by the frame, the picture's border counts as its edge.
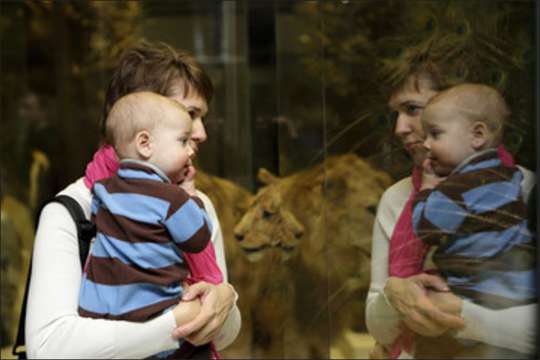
(56, 61)
(360, 50)
(56, 57)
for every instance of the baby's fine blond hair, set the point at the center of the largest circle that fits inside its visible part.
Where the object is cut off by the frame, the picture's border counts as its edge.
(478, 102)
(136, 112)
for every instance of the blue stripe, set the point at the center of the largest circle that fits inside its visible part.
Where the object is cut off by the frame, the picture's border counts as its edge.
(146, 255)
(142, 208)
(516, 285)
(186, 221)
(481, 165)
(138, 174)
(120, 299)
(489, 243)
(490, 196)
(94, 206)
(442, 212)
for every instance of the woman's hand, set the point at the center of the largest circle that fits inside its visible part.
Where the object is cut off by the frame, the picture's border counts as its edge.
(378, 352)
(216, 303)
(410, 298)
(446, 301)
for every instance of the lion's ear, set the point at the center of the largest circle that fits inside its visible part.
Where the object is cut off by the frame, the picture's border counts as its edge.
(266, 177)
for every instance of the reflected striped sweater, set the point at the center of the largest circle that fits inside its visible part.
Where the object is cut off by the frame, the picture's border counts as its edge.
(477, 220)
(144, 225)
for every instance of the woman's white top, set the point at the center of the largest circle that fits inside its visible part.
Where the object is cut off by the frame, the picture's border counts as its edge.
(54, 328)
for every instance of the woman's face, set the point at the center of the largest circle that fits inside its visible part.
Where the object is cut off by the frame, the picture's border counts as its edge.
(197, 109)
(408, 102)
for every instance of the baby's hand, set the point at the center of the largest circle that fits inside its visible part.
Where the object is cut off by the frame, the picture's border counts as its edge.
(188, 183)
(429, 179)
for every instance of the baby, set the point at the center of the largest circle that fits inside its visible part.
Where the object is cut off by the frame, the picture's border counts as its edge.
(152, 231)
(475, 216)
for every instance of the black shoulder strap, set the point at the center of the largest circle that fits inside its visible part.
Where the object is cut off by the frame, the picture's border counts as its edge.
(86, 230)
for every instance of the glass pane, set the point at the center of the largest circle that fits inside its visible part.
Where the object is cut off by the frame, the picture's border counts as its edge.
(301, 146)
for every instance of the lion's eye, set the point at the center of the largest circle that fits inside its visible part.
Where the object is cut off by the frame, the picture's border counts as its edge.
(372, 209)
(266, 214)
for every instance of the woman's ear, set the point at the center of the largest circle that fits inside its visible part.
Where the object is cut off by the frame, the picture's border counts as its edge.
(480, 135)
(143, 144)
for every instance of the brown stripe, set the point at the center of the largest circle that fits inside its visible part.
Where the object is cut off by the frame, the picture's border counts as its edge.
(122, 228)
(139, 315)
(198, 201)
(110, 271)
(429, 233)
(487, 176)
(499, 219)
(487, 156)
(490, 300)
(455, 185)
(168, 192)
(178, 201)
(197, 242)
(519, 258)
(421, 196)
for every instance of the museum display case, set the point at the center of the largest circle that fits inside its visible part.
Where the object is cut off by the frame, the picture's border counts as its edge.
(300, 136)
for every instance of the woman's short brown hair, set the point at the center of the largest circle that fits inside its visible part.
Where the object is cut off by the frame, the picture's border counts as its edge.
(156, 68)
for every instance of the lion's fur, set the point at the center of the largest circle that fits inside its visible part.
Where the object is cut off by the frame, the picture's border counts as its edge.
(308, 236)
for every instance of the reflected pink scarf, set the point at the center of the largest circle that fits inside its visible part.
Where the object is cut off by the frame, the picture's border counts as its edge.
(407, 252)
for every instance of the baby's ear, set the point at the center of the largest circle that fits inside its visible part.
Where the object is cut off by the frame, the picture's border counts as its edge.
(480, 135)
(143, 144)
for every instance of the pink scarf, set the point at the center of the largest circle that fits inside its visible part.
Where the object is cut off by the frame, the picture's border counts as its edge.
(103, 165)
(407, 252)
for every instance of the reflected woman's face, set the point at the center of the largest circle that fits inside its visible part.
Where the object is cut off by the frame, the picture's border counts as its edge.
(408, 103)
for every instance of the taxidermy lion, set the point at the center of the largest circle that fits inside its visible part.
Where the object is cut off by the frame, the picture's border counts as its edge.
(307, 237)
(231, 202)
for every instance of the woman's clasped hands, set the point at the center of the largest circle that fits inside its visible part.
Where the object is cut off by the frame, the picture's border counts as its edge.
(425, 303)
(216, 302)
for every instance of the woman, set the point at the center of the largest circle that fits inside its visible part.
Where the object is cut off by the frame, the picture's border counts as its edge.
(399, 292)
(53, 327)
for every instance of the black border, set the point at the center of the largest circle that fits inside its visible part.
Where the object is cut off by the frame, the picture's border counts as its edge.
(537, 139)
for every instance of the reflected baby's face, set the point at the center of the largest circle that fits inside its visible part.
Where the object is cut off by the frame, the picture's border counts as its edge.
(449, 136)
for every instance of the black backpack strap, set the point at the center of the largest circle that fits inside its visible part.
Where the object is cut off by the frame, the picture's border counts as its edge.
(86, 230)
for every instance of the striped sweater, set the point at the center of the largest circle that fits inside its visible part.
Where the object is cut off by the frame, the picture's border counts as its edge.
(144, 225)
(477, 220)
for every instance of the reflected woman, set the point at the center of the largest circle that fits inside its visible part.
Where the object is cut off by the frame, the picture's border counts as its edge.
(401, 295)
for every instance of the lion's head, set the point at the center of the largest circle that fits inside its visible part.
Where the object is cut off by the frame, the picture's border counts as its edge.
(270, 225)
(327, 211)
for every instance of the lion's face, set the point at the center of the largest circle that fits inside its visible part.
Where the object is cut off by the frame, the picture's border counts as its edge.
(269, 227)
(324, 215)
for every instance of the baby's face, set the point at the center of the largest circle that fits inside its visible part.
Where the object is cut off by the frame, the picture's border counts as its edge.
(172, 151)
(448, 136)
